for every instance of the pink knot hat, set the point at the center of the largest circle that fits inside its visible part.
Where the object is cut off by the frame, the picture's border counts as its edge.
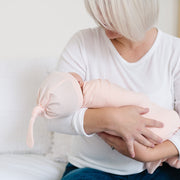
(59, 95)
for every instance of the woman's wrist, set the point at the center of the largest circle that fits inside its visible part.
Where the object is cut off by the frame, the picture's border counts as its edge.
(96, 120)
(164, 150)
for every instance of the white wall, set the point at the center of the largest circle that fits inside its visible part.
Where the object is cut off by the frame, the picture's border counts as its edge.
(41, 28)
(168, 17)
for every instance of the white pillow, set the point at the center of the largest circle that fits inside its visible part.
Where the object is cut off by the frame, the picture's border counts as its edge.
(29, 167)
(20, 80)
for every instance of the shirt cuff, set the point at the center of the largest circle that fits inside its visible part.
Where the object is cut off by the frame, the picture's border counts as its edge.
(175, 139)
(78, 122)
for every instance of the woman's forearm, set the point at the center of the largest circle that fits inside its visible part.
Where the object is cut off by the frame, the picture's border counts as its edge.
(164, 150)
(161, 151)
(125, 122)
(96, 120)
(142, 153)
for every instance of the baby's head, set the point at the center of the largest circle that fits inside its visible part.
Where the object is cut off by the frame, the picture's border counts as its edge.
(59, 95)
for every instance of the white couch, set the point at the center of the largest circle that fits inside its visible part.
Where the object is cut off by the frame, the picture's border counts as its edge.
(20, 79)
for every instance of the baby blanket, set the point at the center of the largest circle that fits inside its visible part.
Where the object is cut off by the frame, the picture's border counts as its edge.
(61, 95)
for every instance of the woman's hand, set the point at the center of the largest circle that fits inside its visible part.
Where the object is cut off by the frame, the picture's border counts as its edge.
(128, 123)
(116, 143)
(142, 152)
(161, 151)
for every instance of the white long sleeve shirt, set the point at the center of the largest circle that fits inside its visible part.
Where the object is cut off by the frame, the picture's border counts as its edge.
(157, 74)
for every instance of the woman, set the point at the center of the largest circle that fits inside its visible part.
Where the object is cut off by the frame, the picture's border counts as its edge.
(128, 50)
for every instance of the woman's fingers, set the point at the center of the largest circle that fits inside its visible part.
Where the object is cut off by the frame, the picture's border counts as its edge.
(119, 144)
(142, 140)
(142, 110)
(130, 147)
(108, 138)
(153, 123)
(150, 135)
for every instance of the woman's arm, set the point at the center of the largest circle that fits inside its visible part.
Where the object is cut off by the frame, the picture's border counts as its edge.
(164, 150)
(125, 122)
(72, 124)
(144, 154)
(175, 139)
(161, 151)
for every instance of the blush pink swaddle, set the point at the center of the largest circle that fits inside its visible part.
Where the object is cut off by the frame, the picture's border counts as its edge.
(61, 95)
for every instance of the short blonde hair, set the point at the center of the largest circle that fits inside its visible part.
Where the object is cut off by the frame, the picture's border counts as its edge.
(130, 18)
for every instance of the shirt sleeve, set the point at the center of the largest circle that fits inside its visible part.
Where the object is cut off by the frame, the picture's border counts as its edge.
(71, 60)
(175, 139)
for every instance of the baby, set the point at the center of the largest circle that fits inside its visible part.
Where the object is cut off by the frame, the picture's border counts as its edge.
(61, 94)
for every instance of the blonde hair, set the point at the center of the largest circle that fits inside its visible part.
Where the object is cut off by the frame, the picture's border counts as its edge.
(130, 18)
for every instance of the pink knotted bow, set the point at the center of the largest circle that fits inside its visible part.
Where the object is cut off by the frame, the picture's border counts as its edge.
(37, 111)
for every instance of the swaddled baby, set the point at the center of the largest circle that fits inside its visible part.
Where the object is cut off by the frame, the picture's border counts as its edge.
(61, 94)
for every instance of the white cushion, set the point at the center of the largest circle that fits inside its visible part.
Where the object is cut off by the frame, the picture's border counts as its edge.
(29, 167)
(61, 147)
(20, 80)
